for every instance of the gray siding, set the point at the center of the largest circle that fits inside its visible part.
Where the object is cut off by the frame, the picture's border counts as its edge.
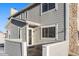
(22, 16)
(36, 36)
(14, 33)
(13, 48)
(34, 14)
(50, 18)
(55, 17)
(17, 28)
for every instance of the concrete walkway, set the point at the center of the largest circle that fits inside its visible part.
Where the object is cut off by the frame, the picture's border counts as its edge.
(2, 52)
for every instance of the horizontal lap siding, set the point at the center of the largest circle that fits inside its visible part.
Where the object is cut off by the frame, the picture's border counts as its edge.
(14, 33)
(34, 14)
(55, 17)
(50, 18)
(13, 48)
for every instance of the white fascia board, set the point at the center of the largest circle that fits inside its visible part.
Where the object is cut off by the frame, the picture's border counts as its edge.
(32, 23)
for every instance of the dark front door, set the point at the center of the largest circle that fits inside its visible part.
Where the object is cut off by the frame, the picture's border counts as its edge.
(30, 36)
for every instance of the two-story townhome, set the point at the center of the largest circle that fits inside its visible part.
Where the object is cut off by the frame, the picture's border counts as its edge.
(38, 24)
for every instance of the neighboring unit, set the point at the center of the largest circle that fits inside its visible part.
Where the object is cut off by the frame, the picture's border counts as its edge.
(2, 38)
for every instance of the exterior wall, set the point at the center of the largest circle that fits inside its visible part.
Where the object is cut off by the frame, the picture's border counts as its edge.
(2, 38)
(73, 35)
(13, 32)
(16, 31)
(34, 14)
(55, 49)
(36, 36)
(22, 16)
(50, 18)
(55, 17)
(13, 48)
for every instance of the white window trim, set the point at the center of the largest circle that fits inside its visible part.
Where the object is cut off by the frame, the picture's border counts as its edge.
(20, 33)
(56, 8)
(25, 13)
(55, 25)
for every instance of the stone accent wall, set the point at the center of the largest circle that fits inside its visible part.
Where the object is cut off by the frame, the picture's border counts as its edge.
(73, 35)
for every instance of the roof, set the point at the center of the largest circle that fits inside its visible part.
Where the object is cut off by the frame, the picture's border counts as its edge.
(24, 9)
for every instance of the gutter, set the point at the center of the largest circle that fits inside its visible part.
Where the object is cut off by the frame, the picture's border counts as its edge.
(64, 21)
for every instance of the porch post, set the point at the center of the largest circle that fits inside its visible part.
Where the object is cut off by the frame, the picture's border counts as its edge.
(27, 34)
(24, 48)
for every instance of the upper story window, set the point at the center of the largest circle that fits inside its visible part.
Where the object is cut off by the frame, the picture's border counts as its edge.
(48, 6)
(44, 7)
(23, 15)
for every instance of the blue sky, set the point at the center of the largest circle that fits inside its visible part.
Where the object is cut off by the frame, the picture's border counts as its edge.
(5, 12)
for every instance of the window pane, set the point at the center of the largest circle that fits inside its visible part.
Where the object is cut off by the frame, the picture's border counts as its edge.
(51, 6)
(44, 7)
(25, 15)
(30, 36)
(45, 32)
(52, 32)
(19, 32)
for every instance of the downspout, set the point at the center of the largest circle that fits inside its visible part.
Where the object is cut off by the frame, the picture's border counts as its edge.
(64, 21)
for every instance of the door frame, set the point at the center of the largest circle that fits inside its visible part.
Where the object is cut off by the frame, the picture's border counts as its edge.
(28, 36)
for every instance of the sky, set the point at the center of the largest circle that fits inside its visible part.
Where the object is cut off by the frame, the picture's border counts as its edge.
(5, 12)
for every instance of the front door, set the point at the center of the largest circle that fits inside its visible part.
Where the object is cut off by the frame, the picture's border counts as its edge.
(30, 36)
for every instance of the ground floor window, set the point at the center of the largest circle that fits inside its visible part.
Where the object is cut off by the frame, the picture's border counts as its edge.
(49, 31)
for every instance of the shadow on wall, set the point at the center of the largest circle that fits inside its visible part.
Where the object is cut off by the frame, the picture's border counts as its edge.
(18, 23)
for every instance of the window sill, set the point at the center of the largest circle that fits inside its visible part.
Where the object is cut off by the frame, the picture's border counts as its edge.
(48, 38)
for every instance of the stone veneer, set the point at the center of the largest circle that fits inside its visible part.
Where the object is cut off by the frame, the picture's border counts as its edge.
(73, 35)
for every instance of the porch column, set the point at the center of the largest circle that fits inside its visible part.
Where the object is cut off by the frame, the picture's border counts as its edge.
(27, 33)
(24, 48)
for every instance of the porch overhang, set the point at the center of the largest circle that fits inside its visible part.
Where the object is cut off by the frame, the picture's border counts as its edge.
(20, 21)
(16, 21)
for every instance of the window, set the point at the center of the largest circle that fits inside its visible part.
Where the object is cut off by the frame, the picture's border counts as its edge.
(49, 32)
(47, 6)
(45, 32)
(51, 6)
(23, 16)
(52, 31)
(19, 32)
(44, 7)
